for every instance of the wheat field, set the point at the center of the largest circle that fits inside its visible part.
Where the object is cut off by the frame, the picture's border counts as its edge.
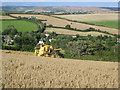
(20, 70)
(91, 17)
(70, 32)
(6, 17)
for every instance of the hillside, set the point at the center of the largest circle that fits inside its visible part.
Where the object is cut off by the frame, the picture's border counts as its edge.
(109, 20)
(55, 9)
(57, 22)
(24, 70)
(91, 17)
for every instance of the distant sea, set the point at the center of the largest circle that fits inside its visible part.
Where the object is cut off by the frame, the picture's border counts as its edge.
(61, 4)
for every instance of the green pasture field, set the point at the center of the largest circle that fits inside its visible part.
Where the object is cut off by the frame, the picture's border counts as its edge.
(110, 24)
(20, 25)
(2, 14)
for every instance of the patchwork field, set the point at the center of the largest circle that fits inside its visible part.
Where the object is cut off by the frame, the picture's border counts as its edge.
(20, 70)
(20, 25)
(63, 23)
(106, 19)
(70, 32)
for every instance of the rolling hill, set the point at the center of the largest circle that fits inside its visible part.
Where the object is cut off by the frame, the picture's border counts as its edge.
(24, 70)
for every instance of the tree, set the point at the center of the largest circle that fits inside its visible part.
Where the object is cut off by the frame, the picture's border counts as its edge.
(68, 26)
(11, 30)
(50, 25)
(79, 48)
(18, 40)
(27, 43)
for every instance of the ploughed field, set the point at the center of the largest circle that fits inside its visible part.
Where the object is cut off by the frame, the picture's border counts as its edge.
(62, 23)
(24, 70)
(71, 32)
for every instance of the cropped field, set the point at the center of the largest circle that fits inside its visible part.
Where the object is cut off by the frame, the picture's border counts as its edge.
(63, 23)
(91, 17)
(109, 20)
(20, 70)
(6, 17)
(3, 16)
(20, 25)
(70, 32)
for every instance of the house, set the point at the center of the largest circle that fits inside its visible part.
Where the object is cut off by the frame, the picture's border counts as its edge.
(41, 42)
(50, 40)
(73, 36)
(118, 40)
(47, 35)
(9, 40)
(31, 17)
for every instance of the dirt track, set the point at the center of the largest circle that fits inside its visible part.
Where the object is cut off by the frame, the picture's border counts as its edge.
(28, 71)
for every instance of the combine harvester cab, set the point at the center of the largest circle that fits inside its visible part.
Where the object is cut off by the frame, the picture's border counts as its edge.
(47, 51)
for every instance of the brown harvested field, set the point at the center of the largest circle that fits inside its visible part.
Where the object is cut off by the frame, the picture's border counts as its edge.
(6, 17)
(63, 23)
(91, 17)
(29, 71)
(70, 32)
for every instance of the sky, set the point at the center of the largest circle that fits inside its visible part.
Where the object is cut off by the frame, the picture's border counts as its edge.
(82, 3)
(59, 0)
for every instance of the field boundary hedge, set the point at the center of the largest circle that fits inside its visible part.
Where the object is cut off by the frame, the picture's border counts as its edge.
(87, 30)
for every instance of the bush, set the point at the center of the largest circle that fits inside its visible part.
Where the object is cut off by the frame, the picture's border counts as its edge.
(27, 48)
(27, 43)
(68, 26)
(79, 48)
(50, 25)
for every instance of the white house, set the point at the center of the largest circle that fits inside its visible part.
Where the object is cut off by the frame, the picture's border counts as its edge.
(47, 35)
(31, 17)
(118, 40)
(74, 36)
(41, 42)
(50, 40)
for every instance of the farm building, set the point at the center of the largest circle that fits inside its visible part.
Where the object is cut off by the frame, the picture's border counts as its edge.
(31, 17)
(118, 40)
(9, 40)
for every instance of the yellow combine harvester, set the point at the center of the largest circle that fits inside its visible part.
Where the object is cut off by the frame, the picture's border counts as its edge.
(47, 51)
